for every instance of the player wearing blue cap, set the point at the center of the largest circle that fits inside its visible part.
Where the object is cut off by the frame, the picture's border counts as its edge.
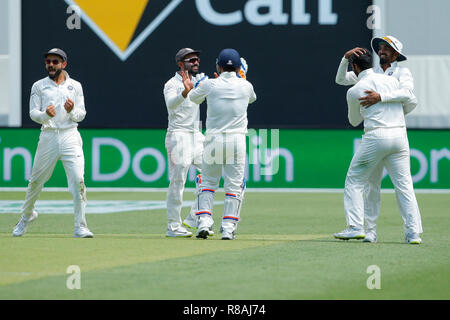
(228, 97)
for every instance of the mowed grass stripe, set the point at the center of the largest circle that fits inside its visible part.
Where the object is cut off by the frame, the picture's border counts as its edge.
(271, 269)
(36, 256)
(308, 269)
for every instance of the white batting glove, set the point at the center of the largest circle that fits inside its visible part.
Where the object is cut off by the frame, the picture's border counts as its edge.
(199, 78)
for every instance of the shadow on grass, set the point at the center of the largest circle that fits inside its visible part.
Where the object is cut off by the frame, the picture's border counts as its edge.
(243, 237)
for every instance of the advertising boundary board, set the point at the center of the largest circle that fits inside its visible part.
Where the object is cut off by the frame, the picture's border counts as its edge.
(136, 158)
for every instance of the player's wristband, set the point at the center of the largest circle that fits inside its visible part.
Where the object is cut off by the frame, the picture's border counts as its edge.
(198, 82)
(241, 74)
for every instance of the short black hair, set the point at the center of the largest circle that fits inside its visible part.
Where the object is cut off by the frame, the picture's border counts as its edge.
(363, 61)
(229, 68)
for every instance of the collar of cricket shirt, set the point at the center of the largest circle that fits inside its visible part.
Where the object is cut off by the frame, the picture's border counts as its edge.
(178, 76)
(379, 69)
(392, 67)
(228, 74)
(365, 73)
(54, 83)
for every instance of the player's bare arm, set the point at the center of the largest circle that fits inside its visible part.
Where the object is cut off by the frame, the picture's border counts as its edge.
(51, 111)
(69, 105)
(356, 51)
(371, 98)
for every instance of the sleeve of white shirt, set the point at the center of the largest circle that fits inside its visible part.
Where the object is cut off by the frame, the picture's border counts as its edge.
(354, 108)
(252, 94)
(199, 94)
(172, 97)
(344, 77)
(79, 110)
(410, 105)
(35, 106)
(405, 91)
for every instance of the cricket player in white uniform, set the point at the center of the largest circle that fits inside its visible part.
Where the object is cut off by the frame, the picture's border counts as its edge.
(384, 141)
(228, 97)
(184, 141)
(389, 50)
(57, 103)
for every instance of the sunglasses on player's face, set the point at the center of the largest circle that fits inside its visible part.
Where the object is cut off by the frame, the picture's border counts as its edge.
(192, 60)
(54, 61)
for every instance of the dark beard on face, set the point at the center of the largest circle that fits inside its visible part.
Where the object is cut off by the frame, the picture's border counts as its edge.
(383, 61)
(56, 75)
(189, 69)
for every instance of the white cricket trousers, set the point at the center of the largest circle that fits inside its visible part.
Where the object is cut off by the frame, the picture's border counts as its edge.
(65, 145)
(183, 149)
(223, 153)
(390, 148)
(372, 199)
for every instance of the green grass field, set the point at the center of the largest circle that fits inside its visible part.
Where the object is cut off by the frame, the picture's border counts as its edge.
(284, 250)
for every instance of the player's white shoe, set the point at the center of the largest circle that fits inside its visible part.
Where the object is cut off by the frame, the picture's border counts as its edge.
(21, 226)
(350, 233)
(82, 232)
(205, 224)
(178, 232)
(413, 238)
(204, 232)
(191, 221)
(226, 235)
(228, 230)
(370, 237)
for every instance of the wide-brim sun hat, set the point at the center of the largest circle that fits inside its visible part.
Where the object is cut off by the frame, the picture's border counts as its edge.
(393, 42)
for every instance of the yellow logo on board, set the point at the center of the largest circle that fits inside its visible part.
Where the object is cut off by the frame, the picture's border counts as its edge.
(116, 21)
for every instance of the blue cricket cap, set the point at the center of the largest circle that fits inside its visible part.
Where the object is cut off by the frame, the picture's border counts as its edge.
(229, 57)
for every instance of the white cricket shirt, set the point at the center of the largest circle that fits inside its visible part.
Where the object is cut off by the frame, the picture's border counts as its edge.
(227, 99)
(183, 114)
(402, 74)
(381, 114)
(46, 92)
